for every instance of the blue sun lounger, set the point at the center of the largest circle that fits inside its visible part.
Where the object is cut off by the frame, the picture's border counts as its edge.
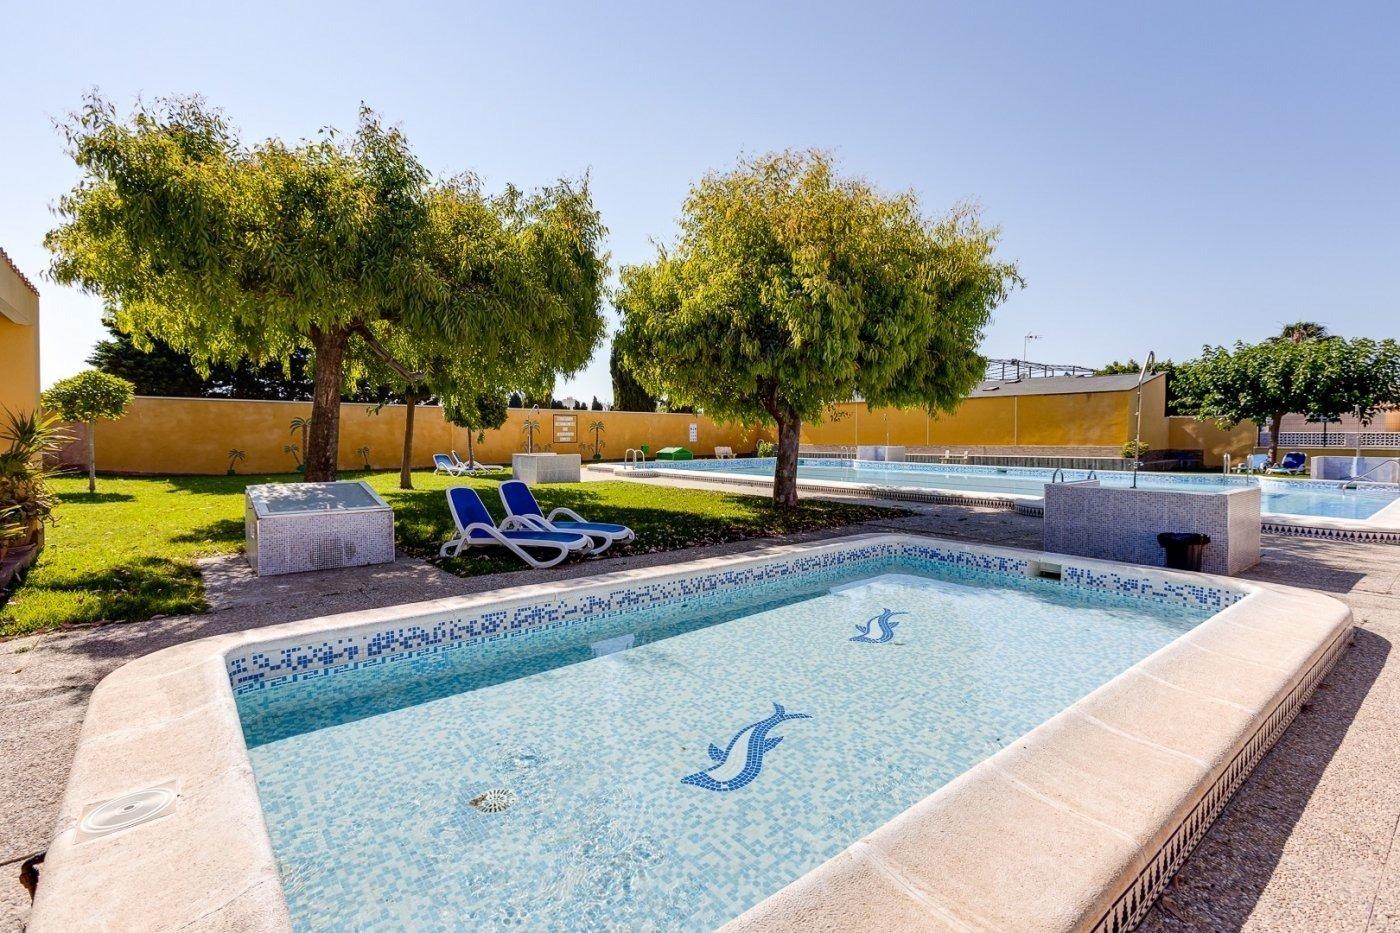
(521, 505)
(476, 529)
(1292, 464)
(443, 464)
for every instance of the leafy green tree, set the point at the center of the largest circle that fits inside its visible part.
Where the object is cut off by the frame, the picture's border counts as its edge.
(1301, 331)
(628, 393)
(791, 288)
(1320, 376)
(595, 405)
(478, 414)
(1133, 367)
(157, 368)
(1351, 377)
(86, 397)
(227, 252)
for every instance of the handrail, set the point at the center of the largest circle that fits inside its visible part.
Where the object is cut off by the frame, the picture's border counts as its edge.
(1351, 483)
(634, 456)
(1060, 472)
(1093, 474)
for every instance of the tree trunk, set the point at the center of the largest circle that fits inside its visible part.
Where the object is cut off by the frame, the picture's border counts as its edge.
(406, 470)
(323, 442)
(789, 436)
(1275, 425)
(92, 455)
(471, 455)
(785, 473)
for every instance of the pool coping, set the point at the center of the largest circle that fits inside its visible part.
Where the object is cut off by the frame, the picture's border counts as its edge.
(1383, 526)
(1061, 829)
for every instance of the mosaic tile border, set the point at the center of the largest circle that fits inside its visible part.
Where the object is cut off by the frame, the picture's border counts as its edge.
(1335, 534)
(260, 666)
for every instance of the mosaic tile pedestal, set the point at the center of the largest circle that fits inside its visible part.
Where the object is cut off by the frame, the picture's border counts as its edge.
(1122, 524)
(546, 468)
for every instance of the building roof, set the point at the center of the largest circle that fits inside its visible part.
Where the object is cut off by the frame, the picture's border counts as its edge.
(1059, 385)
(22, 277)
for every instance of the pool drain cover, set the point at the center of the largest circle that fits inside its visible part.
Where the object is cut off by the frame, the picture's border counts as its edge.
(498, 800)
(126, 811)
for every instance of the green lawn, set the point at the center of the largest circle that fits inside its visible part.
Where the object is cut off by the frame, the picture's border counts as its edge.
(127, 553)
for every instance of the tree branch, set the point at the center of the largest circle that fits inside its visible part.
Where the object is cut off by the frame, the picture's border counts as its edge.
(410, 377)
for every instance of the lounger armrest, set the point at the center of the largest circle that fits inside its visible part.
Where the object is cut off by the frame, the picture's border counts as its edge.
(520, 523)
(568, 514)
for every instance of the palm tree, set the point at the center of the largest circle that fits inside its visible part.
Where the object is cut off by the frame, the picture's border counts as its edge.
(235, 455)
(1303, 331)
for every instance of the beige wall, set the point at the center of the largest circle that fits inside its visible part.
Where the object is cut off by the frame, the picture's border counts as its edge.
(1186, 433)
(1082, 419)
(178, 435)
(19, 342)
(181, 435)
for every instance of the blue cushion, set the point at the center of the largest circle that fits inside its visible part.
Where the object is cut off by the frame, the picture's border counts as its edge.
(518, 498)
(525, 537)
(468, 507)
(607, 528)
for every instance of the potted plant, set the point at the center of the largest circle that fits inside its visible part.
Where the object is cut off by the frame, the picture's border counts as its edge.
(26, 499)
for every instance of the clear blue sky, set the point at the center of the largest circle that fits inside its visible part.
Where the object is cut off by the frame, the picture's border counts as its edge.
(1166, 175)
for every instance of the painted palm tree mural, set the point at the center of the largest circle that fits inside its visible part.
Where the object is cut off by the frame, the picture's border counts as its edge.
(303, 425)
(235, 456)
(596, 429)
(363, 454)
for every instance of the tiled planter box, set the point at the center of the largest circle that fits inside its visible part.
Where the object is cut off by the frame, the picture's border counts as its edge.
(546, 468)
(1122, 524)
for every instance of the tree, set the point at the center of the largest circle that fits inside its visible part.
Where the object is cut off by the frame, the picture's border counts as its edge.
(157, 368)
(229, 252)
(1166, 367)
(791, 289)
(1351, 377)
(1301, 331)
(595, 405)
(478, 414)
(85, 398)
(1259, 382)
(628, 393)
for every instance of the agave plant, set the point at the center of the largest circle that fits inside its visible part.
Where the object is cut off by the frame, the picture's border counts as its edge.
(26, 499)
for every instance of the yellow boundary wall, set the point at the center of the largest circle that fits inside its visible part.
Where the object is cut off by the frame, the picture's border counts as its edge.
(194, 435)
(1078, 419)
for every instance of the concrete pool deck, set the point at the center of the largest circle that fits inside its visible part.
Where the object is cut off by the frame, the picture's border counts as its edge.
(1306, 843)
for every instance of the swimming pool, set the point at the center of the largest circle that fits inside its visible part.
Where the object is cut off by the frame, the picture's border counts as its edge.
(1304, 498)
(671, 745)
(667, 767)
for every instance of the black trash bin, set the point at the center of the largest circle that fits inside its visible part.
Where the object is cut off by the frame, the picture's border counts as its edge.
(1185, 549)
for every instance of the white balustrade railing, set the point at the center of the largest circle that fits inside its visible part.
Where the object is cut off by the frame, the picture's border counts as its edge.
(1341, 439)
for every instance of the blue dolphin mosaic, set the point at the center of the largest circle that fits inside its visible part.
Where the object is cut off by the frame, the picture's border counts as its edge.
(884, 621)
(758, 745)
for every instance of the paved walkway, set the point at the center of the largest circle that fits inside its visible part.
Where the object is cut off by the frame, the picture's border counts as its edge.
(1307, 844)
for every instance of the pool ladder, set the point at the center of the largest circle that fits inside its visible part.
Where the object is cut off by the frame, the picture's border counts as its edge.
(1059, 476)
(1352, 483)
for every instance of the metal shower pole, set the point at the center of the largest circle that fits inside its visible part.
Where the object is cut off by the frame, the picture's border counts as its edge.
(1137, 437)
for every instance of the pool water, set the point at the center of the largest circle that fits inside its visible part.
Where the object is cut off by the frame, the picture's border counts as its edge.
(667, 767)
(1281, 497)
